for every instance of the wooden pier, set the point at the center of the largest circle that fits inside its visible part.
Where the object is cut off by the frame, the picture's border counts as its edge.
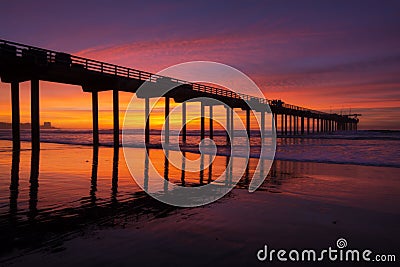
(21, 63)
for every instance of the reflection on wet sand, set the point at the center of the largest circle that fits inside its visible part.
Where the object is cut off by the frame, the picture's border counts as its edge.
(122, 202)
(34, 183)
(114, 184)
(14, 185)
(93, 179)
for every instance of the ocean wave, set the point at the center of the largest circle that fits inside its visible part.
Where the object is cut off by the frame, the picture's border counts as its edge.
(370, 148)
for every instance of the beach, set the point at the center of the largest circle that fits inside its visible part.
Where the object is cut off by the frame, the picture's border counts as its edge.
(84, 209)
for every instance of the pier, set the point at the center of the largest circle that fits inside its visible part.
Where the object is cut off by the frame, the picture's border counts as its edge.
(20, 63)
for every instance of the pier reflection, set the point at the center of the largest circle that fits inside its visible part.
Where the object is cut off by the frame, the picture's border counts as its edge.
(93, 178)
(92, 203)
(34, 183)
(114, 184)
(14, 184)
(216, 166)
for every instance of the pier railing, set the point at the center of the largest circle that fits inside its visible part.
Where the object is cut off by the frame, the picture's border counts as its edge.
(42, 56)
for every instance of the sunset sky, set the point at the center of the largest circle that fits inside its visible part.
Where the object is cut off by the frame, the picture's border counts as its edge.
(326, 55)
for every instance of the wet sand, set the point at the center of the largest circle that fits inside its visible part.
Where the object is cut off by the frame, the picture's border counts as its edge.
(300, 205)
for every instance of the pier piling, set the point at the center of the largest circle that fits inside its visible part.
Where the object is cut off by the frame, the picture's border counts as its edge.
(166, 117)
(15, 115)
(35, 121)
(147, 120)
(211, 123)
(95, 117)
(116, 117)
(184, 122)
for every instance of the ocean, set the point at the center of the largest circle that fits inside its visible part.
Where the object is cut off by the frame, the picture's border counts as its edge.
(371, 148)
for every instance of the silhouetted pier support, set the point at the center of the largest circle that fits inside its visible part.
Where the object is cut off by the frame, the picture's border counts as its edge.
(147, 120)
(228, 124)
(166, 115)
(313, 125)
(232, 130)
(248, 123)
(290, 124)
(116, 117)
(95, 117)
(202, 121)
(262, 125)
(211, 123)
(286, 131)
(302, 125)
(184, 122)
(35, 121)
(15, 115)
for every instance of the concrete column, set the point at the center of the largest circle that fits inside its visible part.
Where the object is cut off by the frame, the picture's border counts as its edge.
(286, 124)
(35, 121)
(282, 125)
(184, 122)
(147, 118)
(262, 124)
(302, 125)
(228, 125)
(248, 122)
(202, 122)
(166, 118)
(308, 125)
(116, 117)
(290, 124)
(95, 117)
(15, 116)
(232, 125)
(313, 125)
(211, 123)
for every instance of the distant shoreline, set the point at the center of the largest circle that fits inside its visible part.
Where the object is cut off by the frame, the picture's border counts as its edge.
(26, 125)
